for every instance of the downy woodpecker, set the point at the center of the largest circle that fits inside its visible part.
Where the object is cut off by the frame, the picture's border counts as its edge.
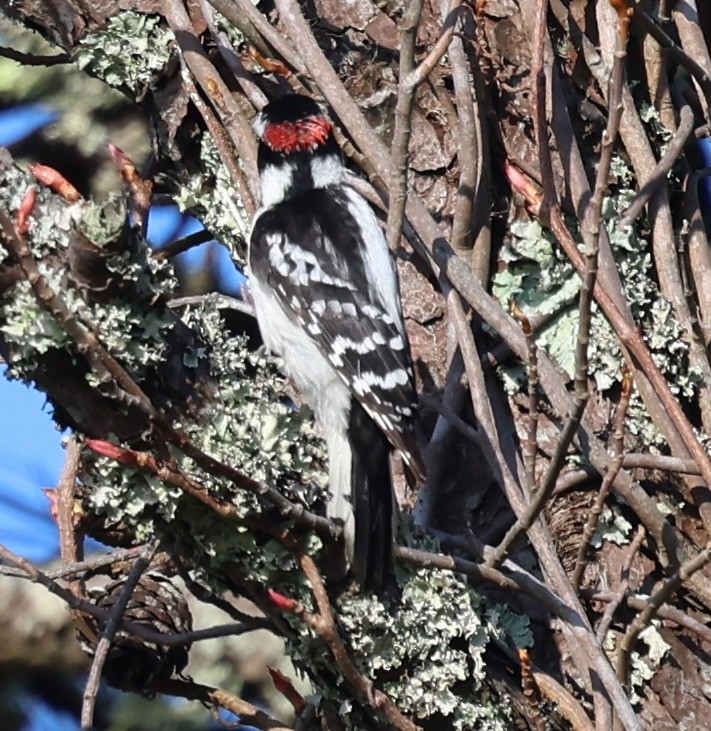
(325, 292)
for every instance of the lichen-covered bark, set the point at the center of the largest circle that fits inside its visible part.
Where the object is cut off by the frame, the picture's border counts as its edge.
(202, 449)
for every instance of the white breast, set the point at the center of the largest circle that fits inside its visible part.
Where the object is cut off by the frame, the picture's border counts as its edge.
(322, 387)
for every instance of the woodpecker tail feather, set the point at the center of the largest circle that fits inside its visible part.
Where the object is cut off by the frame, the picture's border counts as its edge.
(372, 501)
(340, 504)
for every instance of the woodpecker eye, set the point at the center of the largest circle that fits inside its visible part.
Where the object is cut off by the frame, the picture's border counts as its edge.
(302, 135)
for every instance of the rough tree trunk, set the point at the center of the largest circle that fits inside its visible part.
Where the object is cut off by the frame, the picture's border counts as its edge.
(566, 441)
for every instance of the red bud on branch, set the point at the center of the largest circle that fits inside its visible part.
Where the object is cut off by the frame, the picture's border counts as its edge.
(140, 190)
(282, 602)
(52, 494)
(56, 181)
(22, 223)
(523, 185)
(287, 689)
(112, 451)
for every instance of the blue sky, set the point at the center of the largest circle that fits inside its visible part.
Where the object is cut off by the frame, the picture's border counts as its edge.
(31, 454)
(31, 457)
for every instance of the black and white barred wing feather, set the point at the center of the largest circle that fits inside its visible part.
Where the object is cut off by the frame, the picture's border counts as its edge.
(348, 305)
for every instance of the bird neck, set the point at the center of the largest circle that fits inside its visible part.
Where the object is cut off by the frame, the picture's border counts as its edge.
(284, 176)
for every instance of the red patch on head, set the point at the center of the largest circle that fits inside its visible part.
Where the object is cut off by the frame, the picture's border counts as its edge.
(304, 134)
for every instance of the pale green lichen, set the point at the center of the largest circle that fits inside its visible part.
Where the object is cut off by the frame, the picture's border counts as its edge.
(133, 498)
(129, 327)
(246, 425)
(612, 526)
(211, 196)
(650, 115)
(102, 223)
(273, 442)
(438, 631)
(30, 328)
(49, 230)
(541, 280)
(510, 626)
(644, 666)
(234, 35)
(128, 53)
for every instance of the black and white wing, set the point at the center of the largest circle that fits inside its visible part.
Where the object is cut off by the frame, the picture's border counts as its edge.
(328, 264)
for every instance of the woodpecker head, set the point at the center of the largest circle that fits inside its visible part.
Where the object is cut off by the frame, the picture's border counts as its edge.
(297, 150)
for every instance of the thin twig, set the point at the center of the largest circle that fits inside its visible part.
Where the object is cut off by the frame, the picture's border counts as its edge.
(207, 596)
(469, 152)
(621, 589)
(180, 639)
(233, 59)
(323, 623)
(645, 461)
(592, 220)
(71, 549)
(34, 59)
(94, 565)
(174, 475)
(481, 404)
(673, 152)
(441, 407)
(530, 447)
(248, 714)
(27, 570)
(665, 611)
(509, 577)
(699, 263)
(245, 16)
(591, 522)
(403, 122)
(227, 151)
(642, 620)
(539, 499)
(440, 46)
(110, 628)
(183, 244)
(675, 52)
(214, 88)
(213, 299)
(631, 461)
